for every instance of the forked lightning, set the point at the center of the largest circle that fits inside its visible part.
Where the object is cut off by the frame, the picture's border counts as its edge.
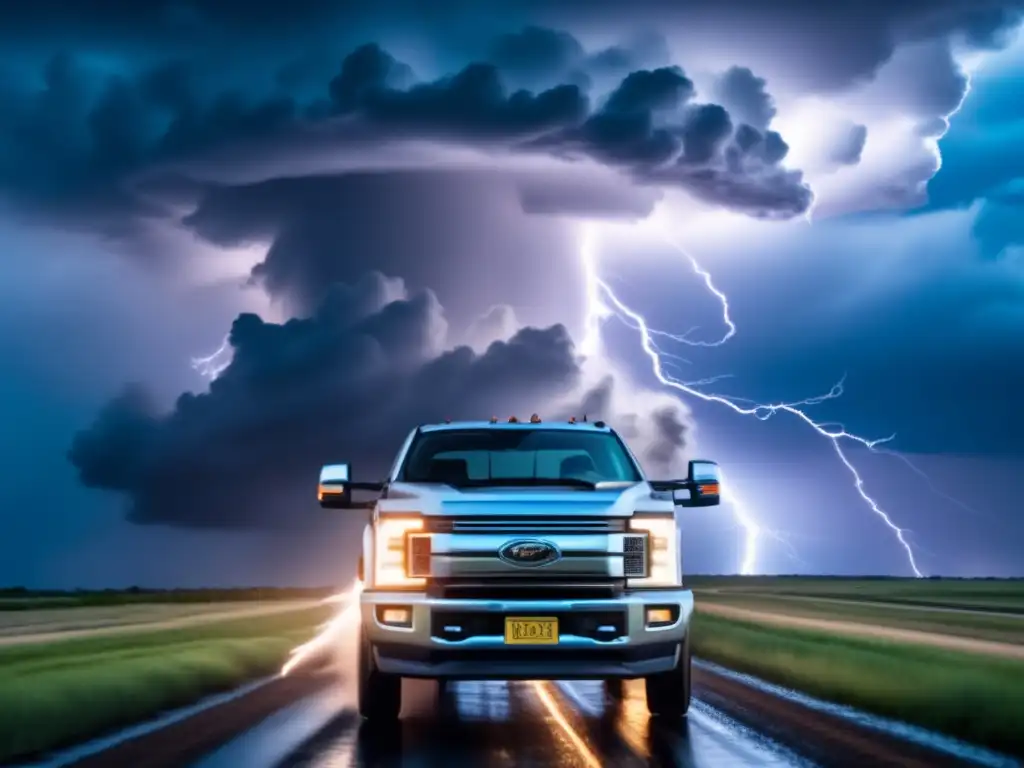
(603, 303)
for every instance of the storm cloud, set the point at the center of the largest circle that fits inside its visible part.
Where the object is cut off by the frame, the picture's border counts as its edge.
(346, 383)
(845, 42)
(746, 96)
(111, 128)
(519, 77)
(461, 234)
(657, 427)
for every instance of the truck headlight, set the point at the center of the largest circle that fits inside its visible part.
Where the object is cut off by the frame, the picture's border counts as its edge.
(402, 556)
(664, 567)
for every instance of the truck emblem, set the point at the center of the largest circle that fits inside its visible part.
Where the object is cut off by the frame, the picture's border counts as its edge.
(529, 553)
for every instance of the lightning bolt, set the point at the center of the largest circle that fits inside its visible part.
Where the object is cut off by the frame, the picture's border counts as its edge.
(603, 303)
(213, 365)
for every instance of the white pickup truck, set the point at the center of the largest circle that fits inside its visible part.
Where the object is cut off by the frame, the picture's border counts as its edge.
(522, 550)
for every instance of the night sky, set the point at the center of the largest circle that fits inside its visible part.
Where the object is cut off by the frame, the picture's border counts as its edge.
(380, 214)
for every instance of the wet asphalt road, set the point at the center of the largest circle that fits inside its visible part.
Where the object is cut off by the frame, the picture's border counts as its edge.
(499, 724)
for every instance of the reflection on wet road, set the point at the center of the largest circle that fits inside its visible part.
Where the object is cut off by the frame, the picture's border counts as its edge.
(501, 724)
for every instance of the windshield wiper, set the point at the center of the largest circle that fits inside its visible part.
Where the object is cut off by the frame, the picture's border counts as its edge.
(570, 482)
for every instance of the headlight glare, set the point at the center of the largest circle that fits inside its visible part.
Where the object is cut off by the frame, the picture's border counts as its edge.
(392, 561)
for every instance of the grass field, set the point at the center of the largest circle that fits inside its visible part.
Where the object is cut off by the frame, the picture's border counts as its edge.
(47, 624)
(992, 595)
(978, 609)
(20, 599)
(975, 625)
(57, 693)
(975, 697)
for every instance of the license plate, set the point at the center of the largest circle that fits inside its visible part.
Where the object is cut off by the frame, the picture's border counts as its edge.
(523, 630)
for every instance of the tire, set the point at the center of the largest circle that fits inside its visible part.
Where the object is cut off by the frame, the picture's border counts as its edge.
(380, 695)
(615, 687)
(668, 693)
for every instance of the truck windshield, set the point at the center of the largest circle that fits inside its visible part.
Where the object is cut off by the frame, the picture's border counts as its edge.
(480, 457)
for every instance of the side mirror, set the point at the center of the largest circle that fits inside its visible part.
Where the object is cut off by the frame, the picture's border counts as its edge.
(335, 488)
(703, 481)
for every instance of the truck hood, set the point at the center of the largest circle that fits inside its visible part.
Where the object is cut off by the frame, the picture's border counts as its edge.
(446, 501)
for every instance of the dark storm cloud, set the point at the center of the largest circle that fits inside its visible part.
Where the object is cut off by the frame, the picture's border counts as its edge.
(849, 145)
(648, 127)
(646, 91)
(535, 56)
(746, 97)
(582, 197)
(706, 130)
(162, 17)
(656, 428)
(72, 141)
(640, 129)
(637, 128)
(473, 103)
(327, 229)
(623, 130)
(736, 169)
(644, 49)
(344, 384)
(324, 229)
(983, 25)
(820, 46)
(828, 45)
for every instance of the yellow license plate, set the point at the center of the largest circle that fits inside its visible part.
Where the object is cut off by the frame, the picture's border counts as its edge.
(530, 630)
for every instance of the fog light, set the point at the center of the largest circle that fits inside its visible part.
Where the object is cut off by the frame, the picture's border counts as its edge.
(393, 616)
(659, 617)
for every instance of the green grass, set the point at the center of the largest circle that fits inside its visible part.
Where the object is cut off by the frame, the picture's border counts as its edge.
(974, 697)
(21, 599)
(976, 625)
(55, 694)
(1000, 595)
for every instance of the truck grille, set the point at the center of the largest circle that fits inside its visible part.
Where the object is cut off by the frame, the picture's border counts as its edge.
(525, 524)
(595, 556)
(508, 589)
(634, 556)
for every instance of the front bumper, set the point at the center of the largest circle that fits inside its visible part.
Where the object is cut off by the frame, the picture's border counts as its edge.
(623, 647)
